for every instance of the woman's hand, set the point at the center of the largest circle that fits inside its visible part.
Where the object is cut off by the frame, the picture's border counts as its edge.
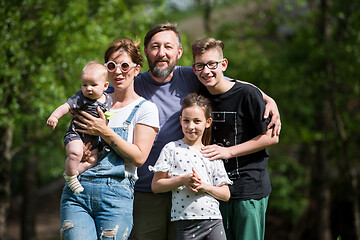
(91, 125)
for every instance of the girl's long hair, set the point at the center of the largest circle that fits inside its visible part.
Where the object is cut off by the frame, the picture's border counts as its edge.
(193, 99)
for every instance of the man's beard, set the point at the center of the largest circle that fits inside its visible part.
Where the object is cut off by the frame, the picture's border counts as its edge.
(161, 73)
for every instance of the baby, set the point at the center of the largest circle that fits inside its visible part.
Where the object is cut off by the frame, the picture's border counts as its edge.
(92, 95)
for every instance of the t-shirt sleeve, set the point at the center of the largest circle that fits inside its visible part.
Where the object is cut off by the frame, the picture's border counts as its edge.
(189, 78)
(255, 106)
(109, 102)
(149, 115)
(75, 101)
(164, 162)
(220, 176)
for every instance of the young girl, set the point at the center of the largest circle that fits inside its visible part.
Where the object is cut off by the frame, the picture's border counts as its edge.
(194, 180)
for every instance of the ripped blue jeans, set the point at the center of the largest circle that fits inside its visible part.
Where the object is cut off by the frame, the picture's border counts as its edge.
(102, 211)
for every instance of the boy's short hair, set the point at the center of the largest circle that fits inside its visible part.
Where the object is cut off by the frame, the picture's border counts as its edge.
(160, 28)
(202, 45)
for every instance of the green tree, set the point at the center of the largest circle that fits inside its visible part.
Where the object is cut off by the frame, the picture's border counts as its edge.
(44, 46)
(304, 54)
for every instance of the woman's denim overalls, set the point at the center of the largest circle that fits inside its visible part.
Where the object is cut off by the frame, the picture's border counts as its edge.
(104, 209)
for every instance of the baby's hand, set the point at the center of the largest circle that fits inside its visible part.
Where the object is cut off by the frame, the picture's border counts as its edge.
(52, 122)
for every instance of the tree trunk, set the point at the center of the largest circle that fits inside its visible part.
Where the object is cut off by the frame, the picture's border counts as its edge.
(6, 138)
(321, 192)
(355, 201)
(29, 198)
(207, 15)
(321, 189)
(303, 225)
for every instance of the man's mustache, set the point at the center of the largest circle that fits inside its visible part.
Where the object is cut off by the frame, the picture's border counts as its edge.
(165, 59)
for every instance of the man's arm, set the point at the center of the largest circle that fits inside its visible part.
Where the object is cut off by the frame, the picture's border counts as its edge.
(272, 110)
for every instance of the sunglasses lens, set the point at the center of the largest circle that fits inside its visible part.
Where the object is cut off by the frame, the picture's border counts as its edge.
(125, 67)
(111, 66)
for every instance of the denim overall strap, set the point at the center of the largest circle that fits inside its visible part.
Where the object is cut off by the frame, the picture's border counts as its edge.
(110, 163)
(132, 114)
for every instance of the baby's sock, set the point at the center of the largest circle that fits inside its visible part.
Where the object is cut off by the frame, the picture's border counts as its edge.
(73, 183)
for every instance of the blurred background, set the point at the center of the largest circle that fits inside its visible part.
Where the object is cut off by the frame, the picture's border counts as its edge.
(303, 53)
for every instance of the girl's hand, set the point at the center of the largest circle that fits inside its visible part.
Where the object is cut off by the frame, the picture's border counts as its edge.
(191, 181)
(213, 152)
(198, 184)
(219, 192)
(195, 175)
(91, 125)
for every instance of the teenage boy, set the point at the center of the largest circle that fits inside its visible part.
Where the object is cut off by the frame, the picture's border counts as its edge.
(240, 137)
(165, 84)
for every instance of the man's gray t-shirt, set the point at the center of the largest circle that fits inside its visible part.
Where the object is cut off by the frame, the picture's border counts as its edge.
(167, 96)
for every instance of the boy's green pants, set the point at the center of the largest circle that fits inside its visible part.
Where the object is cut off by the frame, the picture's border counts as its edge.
(244, 220)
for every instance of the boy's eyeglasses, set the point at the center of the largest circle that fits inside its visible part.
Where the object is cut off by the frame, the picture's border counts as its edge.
(210, 65)
(124, 66)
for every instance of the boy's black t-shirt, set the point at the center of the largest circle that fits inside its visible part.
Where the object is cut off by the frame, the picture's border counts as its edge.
(237, 118)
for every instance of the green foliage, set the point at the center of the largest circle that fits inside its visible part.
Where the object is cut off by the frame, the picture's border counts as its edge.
(283, 50)
(44, 46)
(287, 179)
